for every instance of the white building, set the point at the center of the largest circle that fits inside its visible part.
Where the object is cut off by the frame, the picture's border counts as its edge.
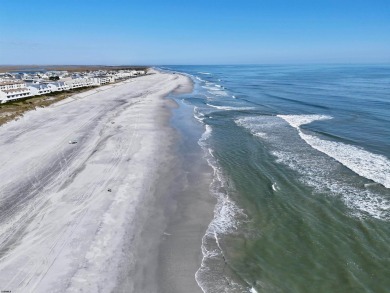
(11, 84)
(102, 80)
(32, 84)
(39, 89)
(138, 72)
(58, 86)
(123, 75)
(73, 83)
(12, 90)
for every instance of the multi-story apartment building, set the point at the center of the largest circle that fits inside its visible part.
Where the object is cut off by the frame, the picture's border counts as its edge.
(102, 80)
(12, 90)
(58, 86)
(39, 89)
(78, 82)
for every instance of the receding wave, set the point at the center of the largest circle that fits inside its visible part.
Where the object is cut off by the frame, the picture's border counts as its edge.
(372, 166)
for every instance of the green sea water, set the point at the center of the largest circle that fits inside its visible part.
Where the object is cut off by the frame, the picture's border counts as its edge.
(301, 164)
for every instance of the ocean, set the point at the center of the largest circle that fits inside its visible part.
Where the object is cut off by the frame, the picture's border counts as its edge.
(301, 160)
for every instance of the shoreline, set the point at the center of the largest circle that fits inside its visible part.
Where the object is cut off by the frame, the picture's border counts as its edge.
(78, 213)
(193, 207)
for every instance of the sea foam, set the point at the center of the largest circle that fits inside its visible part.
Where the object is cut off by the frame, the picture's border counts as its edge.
(372, 166)
(230, 108)
(315, 167)
(225, 221)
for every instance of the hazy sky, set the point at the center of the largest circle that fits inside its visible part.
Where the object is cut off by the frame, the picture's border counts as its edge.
(194, 32)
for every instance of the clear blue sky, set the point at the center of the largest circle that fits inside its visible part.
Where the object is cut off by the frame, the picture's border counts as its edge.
(194, 32)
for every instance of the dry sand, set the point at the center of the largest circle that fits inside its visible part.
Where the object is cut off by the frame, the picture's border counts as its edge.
(61, 229)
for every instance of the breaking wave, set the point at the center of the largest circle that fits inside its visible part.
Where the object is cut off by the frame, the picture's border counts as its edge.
(372, 166)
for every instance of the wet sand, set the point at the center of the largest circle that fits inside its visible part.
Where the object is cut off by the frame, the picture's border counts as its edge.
(191, 209)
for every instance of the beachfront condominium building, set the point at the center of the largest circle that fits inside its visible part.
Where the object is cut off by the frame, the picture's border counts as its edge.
(58, 86)
(34, 84)
(78, 82)
(39, 89)
(102, 80)
(12, 90)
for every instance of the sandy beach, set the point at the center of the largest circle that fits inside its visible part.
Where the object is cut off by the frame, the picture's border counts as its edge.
(101, 215)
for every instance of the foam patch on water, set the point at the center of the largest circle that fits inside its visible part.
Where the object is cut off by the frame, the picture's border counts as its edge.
(219, 93)
(297, 120)
(257, 129)
(198, 78)
(198, 115)
(225, 221)
(210, 87)
(205, 73)
(315, 167)
(261, 134)
(215, 89)
(206, 134)
(318, 175)
(230, 108)
(372, 166)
